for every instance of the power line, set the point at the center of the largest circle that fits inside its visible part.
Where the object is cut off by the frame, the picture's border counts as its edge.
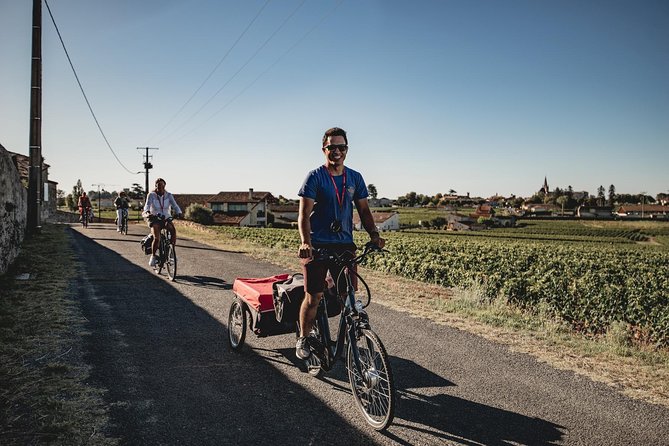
(279, 28)
(262, 8)
(292, 47)
(83, 92)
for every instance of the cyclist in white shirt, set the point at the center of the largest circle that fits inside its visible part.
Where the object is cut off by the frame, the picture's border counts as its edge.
(159, 206)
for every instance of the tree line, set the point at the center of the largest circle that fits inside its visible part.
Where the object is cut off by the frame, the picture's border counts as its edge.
(567, 198)
(135, 192)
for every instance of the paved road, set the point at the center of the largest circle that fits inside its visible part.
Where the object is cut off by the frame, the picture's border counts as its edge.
(160, 350)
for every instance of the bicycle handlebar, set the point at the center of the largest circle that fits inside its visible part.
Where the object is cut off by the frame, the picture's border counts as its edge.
(161, 217)
(341, 260)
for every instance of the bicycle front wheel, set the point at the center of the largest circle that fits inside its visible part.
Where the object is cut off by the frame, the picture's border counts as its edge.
(162, 254)
(373, 386)
(171, 262)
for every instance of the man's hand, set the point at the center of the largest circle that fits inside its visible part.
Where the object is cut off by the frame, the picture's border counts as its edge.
(305, 251)
(377, 240)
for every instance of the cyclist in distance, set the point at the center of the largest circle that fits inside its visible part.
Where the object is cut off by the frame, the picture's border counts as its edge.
(159, 204)
(326, 221)
(122, 204)
(84, 203)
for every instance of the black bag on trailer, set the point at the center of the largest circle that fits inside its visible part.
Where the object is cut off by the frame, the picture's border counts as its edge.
(288, 296)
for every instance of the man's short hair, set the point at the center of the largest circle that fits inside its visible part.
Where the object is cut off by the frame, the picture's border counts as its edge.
(334, 131)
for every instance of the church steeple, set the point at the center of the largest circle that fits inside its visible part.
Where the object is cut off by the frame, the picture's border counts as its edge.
(545, 188)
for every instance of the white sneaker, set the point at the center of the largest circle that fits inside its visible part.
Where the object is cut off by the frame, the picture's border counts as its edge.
(302, 349)
(153, 260)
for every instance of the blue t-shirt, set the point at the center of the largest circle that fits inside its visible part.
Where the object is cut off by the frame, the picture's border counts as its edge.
(318, 186)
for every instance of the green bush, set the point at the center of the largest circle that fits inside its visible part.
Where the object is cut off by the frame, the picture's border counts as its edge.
(199, 214)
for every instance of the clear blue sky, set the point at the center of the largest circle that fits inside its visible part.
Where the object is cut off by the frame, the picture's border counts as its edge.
(477, 96)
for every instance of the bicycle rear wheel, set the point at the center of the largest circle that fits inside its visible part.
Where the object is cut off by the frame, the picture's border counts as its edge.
(373, 388)
(124, 225)
(171, 261)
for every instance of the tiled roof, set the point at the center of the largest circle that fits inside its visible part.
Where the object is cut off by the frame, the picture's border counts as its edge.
(241, 197)
(284, 208)
(22, 163)
(228, 220)
(185, 200)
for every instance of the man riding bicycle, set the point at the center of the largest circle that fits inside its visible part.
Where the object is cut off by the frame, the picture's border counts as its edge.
(84, 203)
(159, 206)
(122, 204)
(326, 221)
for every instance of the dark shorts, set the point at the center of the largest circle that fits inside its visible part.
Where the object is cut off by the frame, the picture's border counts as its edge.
(315, 271)
(153, 220)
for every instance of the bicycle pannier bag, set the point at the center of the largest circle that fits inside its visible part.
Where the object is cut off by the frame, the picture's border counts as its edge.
(288, 295)
(146, 244)
(333, 302)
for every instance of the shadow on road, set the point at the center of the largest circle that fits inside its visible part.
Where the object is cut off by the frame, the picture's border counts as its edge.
(457, 420)
(441, 416)
(169, 375)
(207, 248)
(212, 283)
(180, 243)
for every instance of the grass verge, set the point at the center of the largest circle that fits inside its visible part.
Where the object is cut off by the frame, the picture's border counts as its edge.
(637, 371)
(44, 397)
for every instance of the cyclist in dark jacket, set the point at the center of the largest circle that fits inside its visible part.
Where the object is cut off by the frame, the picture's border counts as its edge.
(122, 204)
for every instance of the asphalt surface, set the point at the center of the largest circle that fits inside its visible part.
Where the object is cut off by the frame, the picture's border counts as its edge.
(160, 350)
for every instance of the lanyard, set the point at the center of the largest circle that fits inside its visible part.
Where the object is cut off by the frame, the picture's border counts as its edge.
(162, 202)
(340, 199)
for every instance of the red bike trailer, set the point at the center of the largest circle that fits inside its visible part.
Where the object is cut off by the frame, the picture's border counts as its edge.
(257, 305)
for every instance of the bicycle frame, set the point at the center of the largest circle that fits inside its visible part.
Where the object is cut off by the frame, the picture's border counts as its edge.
(351, 320)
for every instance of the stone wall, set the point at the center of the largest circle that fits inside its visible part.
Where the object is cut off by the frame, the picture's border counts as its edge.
(13, 211)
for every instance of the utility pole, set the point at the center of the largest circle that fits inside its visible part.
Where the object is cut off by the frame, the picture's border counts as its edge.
(35, 170)
(101, 185)
(147, 165)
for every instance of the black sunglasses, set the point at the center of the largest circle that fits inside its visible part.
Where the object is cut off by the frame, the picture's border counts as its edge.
(333, 147)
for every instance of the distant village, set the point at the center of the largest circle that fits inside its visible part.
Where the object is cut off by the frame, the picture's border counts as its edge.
(453, 211)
